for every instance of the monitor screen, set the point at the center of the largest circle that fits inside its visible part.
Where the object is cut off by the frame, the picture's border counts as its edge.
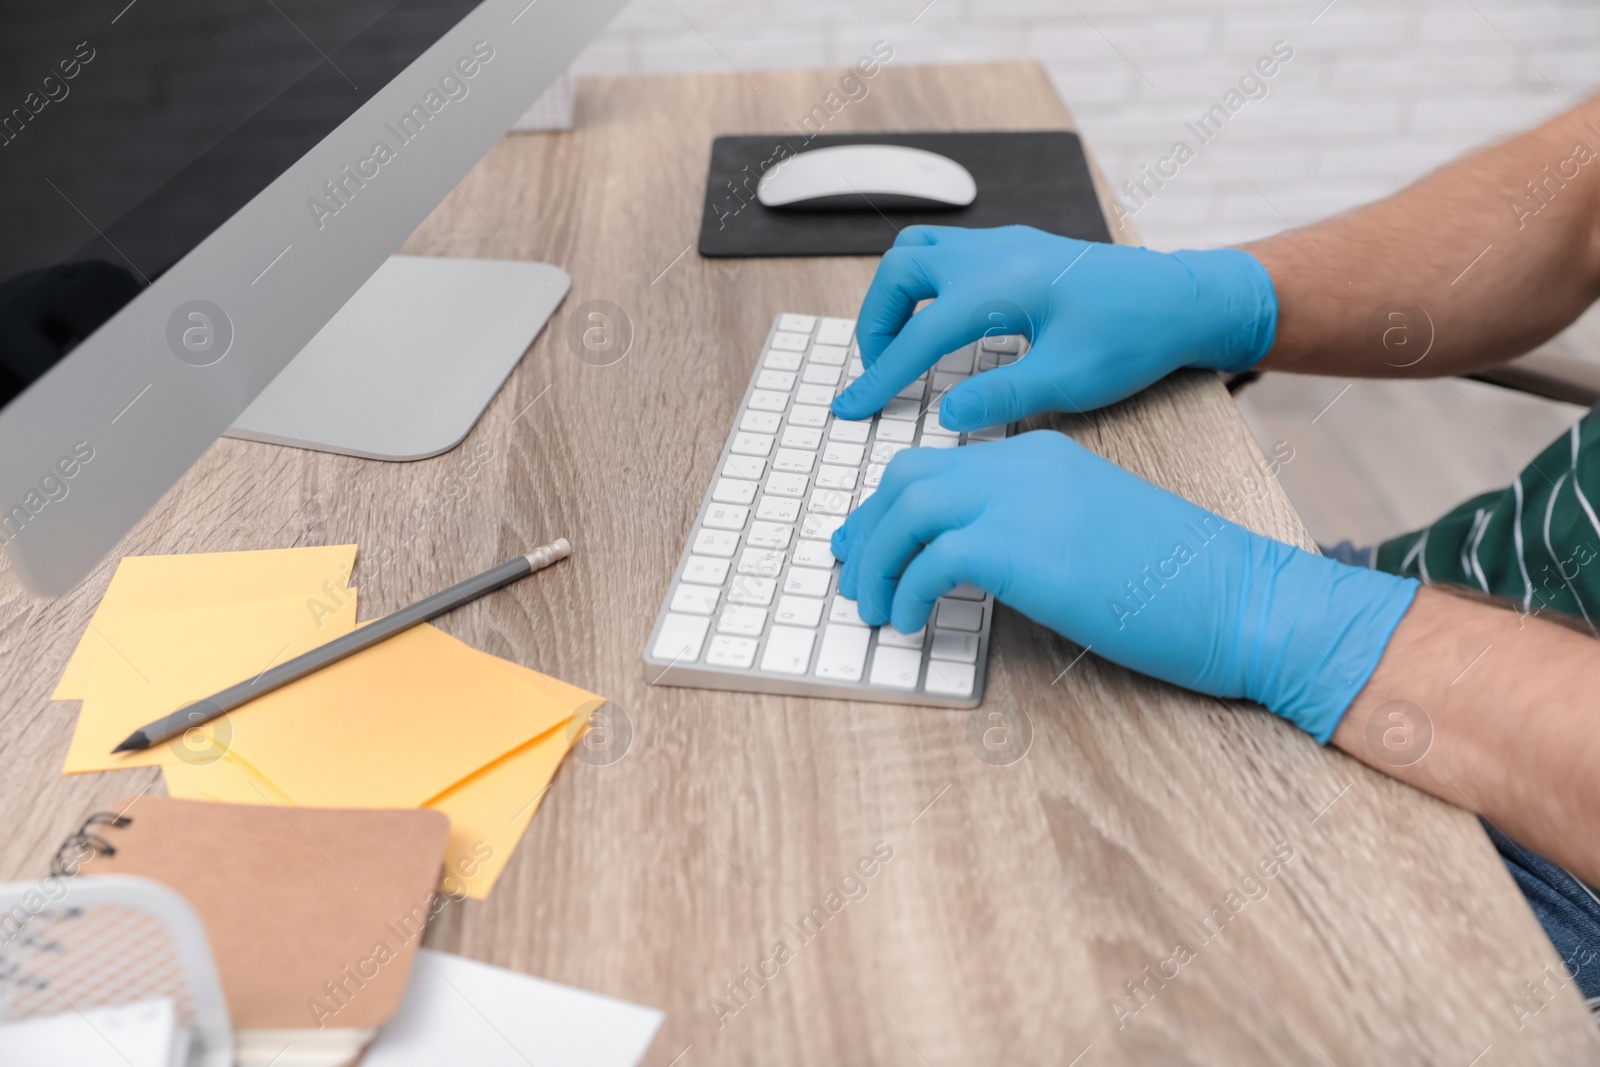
(131, 130)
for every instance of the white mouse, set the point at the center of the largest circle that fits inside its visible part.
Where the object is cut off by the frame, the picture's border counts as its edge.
(867, 176)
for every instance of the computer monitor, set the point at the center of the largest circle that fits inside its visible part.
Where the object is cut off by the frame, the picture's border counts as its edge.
(192, 189)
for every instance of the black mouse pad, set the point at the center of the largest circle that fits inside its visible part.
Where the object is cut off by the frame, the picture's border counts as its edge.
(1032, 178)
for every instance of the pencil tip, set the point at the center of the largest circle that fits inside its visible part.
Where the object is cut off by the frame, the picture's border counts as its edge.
(134, 742)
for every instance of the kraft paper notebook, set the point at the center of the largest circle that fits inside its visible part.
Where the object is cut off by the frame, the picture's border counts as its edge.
(313, 915)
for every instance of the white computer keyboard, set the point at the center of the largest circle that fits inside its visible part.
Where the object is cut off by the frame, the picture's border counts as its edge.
(754, 603)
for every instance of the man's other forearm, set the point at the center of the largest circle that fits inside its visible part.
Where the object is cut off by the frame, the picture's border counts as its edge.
(1510, 704)
(1473, 265)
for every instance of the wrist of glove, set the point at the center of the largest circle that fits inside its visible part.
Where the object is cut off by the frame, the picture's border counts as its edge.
(1143, 577)
(1103, 321)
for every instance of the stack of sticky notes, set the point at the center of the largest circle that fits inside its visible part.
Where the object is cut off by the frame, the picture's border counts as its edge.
(420, 720)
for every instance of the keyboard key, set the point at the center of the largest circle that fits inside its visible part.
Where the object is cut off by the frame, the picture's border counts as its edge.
(854, 369)
(705, 571)
(865, 495)
(769, 535)
(902, 410)
(898, 432)
(884, 451)
(988, 360)
(821, 374)
(835, 331)
(960, 615)
(888, 635)
(813, 554)
(930, 425)
(912, 391)
(760, 422)
(836, 477)
(801, 437)
(896, 668)
(797, 323)
(761, 562)
(818, 395)
(742, 621)
(850, 431)
(798, 611)
(1007, 343)
(694, 599)
(951, 679)
(781, 484)
(784, 361)
(775, 379)
(843, 610)
(954, 645)
(943, 383)
(726, 516)
(788, 650)
(776, 509)
(789, 341)
(803, 581)
(809, 415)
(681, 637)
(829, 355)
(751, 467)
(844, 453)
(794, 461)
(748, 589)
(966, 591)
(819, 527)
(752, 444)
(957, 362)
(874, 475)
(767, 400)
(988, 433)
(715, 543)
(830, 502)
(733, 491)
(736, 652)
(940, 442)
(843, 653)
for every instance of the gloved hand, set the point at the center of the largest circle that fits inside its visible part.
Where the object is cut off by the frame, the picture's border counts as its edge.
(1104, 321)
(1144, 577)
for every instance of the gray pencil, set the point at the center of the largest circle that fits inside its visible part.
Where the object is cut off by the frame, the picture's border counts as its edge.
(221, 703)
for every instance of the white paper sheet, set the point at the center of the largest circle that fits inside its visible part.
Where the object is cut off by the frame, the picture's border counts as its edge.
(137, 1035)
(458, 1011)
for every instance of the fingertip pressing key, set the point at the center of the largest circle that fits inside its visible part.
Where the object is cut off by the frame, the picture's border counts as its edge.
(963, 409)
(851, 405)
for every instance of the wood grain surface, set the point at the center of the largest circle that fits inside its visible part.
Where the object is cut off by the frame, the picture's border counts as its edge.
(1027, 886)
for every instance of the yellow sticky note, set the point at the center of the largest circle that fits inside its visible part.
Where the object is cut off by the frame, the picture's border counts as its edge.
(398, 724)
(207, 579)
(152, 663)
(218, 776)
(490, 810)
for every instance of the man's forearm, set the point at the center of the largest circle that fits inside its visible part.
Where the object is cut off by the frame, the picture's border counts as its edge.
(1473, 265)
(1510, 704)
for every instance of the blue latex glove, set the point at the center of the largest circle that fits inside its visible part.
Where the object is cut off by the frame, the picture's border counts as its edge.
(1144, 577)
(1104, 321)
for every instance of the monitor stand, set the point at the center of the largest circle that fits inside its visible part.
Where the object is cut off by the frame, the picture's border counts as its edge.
(406, 367)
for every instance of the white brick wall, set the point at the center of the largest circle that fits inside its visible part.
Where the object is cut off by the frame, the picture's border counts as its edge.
(1378, 91)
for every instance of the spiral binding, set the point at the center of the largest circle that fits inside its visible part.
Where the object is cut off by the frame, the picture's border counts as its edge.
(82, 840)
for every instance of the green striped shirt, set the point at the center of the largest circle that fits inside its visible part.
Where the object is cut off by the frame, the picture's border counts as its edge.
(1535, 542)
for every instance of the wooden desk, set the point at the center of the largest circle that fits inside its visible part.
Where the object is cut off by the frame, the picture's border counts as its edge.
(1019, 898)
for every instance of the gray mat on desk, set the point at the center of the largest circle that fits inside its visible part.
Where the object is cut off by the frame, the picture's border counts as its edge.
(1032, 178)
